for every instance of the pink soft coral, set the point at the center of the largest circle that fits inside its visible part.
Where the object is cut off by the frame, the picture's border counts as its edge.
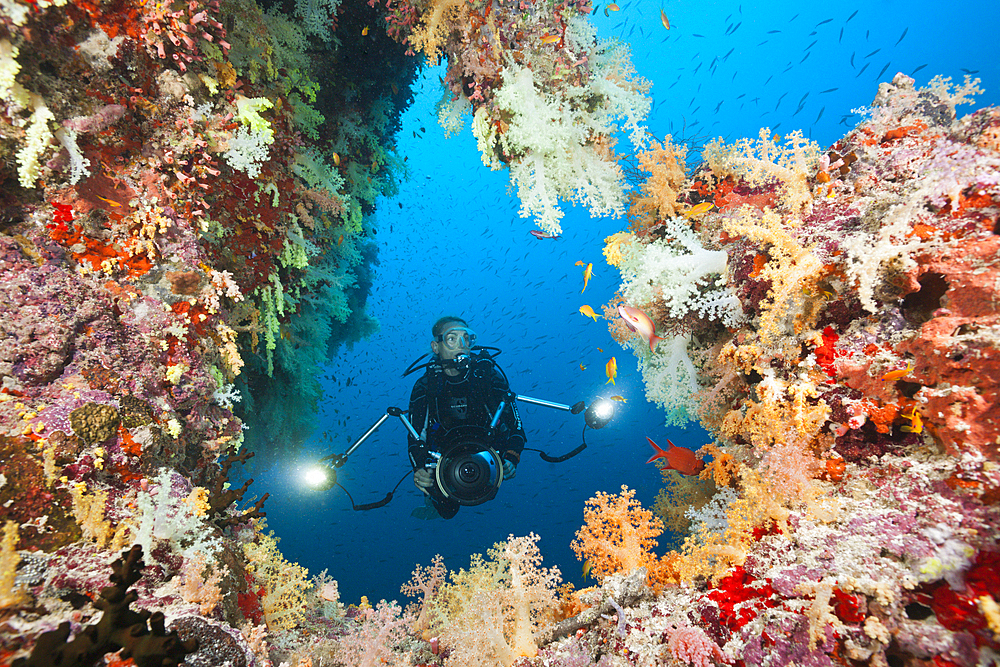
(692, 646)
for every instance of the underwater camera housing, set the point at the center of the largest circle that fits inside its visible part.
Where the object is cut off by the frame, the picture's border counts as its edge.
(470, 471)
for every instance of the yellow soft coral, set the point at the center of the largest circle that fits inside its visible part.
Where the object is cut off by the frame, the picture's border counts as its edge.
(613, 247)
(793, 271)
(496, 606)
(435, 23)
(759, 162)
(285, 583)
(618, 534)
(710, 553)
(10, 594)
(667, 179)
(785, 410)
(88, 509)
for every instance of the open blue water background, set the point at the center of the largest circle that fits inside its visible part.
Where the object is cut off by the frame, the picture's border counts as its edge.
(452, 243)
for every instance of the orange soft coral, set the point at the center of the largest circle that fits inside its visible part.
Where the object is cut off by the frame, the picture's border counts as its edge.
(618, 534)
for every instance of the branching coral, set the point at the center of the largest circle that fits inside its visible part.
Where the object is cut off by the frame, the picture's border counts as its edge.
(618, 534)
(495, 608)
(284, 583)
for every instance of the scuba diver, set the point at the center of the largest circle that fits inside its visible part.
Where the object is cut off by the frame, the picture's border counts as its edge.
(465, 434)
(458, 394)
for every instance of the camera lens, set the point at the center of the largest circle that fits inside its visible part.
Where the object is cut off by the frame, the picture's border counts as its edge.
(469, 472)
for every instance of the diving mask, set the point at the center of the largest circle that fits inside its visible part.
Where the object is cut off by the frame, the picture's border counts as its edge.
(457, 338)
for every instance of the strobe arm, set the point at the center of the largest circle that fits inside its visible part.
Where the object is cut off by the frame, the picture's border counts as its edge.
(338, 460)
(575, 409)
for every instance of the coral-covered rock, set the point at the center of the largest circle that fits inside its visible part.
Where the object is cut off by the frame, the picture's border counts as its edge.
(94, 423)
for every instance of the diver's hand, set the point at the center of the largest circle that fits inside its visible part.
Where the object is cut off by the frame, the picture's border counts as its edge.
(509, 470)
(424, 479)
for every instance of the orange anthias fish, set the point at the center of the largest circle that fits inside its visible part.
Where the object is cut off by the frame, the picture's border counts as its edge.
(587, 273)
(664, 20)
(639, 322)
(699, 209)
(611, 369)
(896, 374)
(587, 311)
(677, 458)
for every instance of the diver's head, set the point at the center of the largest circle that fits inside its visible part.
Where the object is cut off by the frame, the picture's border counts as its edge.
(451, 338)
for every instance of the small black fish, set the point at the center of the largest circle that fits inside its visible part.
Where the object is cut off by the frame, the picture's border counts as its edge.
(920, 67)
(773, 32)
(841, 38)
(852, 16)
(905, 30)
(883, 71)
(820, 115)
(862, 71)
(829, 90)
(822, 22)
(872, 53)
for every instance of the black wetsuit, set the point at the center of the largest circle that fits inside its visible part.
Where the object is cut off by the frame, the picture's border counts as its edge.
(440, 402)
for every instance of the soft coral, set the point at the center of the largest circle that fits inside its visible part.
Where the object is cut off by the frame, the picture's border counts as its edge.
(618, 534)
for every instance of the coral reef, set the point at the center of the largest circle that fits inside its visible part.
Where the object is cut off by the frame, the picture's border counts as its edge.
(546, 95)
(185, 235)
(833, 317)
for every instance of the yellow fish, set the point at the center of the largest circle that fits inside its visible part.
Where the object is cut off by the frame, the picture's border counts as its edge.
(582, 367)
(902, 372)
(364, 33)
(916, 424)
(336, 159)
(620, 399)
(699, 209)
(611, 369)
(588, 312)
(664, 20)
(600, 350)
(110, 201)
(587, 566)
(587, 273)
(613, 7)
(550, 39)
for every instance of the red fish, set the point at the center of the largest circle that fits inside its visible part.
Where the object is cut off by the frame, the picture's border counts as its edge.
(542, 235)
(680, 459)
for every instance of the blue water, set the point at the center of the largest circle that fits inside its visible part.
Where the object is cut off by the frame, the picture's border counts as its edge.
(452, 243)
